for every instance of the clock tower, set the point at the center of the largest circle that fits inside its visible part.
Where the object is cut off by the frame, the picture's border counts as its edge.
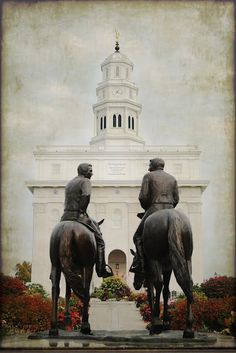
(117, 111)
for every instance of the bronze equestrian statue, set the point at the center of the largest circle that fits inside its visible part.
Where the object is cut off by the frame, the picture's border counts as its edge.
(164, 243)
(76, 245)
(159, 191)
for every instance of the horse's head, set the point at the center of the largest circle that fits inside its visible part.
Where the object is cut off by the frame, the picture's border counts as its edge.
(138, 277)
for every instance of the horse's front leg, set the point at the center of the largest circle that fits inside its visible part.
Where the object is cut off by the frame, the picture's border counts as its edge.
(189, 332)
(55, 279)
(166, 294)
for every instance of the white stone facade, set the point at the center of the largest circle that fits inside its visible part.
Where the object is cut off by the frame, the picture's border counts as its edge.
(120, 158)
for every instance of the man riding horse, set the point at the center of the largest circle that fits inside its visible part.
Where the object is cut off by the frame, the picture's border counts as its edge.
(159, 191)
(77, 198)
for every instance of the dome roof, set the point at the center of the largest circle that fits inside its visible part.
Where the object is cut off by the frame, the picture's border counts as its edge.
(117, 57)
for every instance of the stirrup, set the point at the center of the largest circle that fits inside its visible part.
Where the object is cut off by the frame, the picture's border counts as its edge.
(106, 273)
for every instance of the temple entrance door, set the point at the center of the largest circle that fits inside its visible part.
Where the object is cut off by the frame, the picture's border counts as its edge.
(117, 261)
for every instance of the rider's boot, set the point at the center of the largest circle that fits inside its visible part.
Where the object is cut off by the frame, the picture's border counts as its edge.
(101, 267)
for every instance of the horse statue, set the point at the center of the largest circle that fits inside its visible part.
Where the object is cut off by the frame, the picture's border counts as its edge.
(167, 246)
(73, 251)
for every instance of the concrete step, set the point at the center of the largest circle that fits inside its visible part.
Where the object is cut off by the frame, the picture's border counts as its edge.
(114, 316)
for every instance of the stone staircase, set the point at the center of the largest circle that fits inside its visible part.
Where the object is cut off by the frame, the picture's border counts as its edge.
(114, 316)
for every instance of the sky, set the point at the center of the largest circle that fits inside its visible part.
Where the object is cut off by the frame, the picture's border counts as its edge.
(183, 65)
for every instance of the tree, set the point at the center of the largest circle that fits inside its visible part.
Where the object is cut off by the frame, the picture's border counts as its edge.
(23, 271)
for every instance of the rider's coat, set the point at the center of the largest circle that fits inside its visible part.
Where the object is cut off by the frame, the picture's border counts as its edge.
(77, 197)
(158, 187)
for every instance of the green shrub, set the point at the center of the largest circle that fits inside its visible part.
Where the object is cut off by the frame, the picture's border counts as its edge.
(23, 271)
(36, 288)
(112, 287)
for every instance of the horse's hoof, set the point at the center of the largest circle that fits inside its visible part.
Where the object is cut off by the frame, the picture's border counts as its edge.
(155, 329)
(53, 332)
(166, 325)
(188, 334)
(85, 328)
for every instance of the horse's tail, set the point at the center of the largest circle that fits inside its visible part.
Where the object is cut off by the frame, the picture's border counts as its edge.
(72, 275)
(180, 263)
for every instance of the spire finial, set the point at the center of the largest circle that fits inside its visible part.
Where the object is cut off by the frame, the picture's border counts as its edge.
(117, 48)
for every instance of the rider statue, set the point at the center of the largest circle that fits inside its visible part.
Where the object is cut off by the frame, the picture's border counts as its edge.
(77, 198)
(159, 190)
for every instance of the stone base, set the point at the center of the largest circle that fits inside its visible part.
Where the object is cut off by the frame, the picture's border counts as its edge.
(137, 339)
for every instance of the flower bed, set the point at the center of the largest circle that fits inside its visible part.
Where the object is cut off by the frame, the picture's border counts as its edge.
(28, 308)
(210, 313)
(112, 288)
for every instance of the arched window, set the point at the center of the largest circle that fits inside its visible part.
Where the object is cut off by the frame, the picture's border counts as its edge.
(105, 122)
(117, 71)
(106, 72)
(129, 124)
(114, 120)
(127, 73)
(101, 123)
(117, 261)
(119, 120)
(132, 123)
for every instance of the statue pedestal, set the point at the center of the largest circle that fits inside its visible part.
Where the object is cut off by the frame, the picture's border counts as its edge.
(114, 316)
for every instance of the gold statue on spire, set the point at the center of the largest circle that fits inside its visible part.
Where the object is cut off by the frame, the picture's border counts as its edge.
(117, 48)
(117, 35)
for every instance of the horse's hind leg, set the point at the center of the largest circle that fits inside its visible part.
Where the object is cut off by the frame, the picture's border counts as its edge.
(55, 278)
(189, 332)
(85, 325)
(156, 323)
(67, 319)
(166, 294)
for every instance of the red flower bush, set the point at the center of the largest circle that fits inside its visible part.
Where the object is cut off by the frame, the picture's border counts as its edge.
(29, 310)
(219, 287)
(141, 299)
(70, 320)
(214, 302)
(28, 313)
(11, 285)
(209, 314)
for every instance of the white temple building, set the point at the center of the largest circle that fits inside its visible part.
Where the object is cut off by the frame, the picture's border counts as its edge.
(120, 158)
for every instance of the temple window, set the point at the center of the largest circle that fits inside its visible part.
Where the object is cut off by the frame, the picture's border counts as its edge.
(114, 120)
(132, 123)
(129, 124)
(119, 120)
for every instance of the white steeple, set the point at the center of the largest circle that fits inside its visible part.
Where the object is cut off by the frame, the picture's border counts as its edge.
(116, 113)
